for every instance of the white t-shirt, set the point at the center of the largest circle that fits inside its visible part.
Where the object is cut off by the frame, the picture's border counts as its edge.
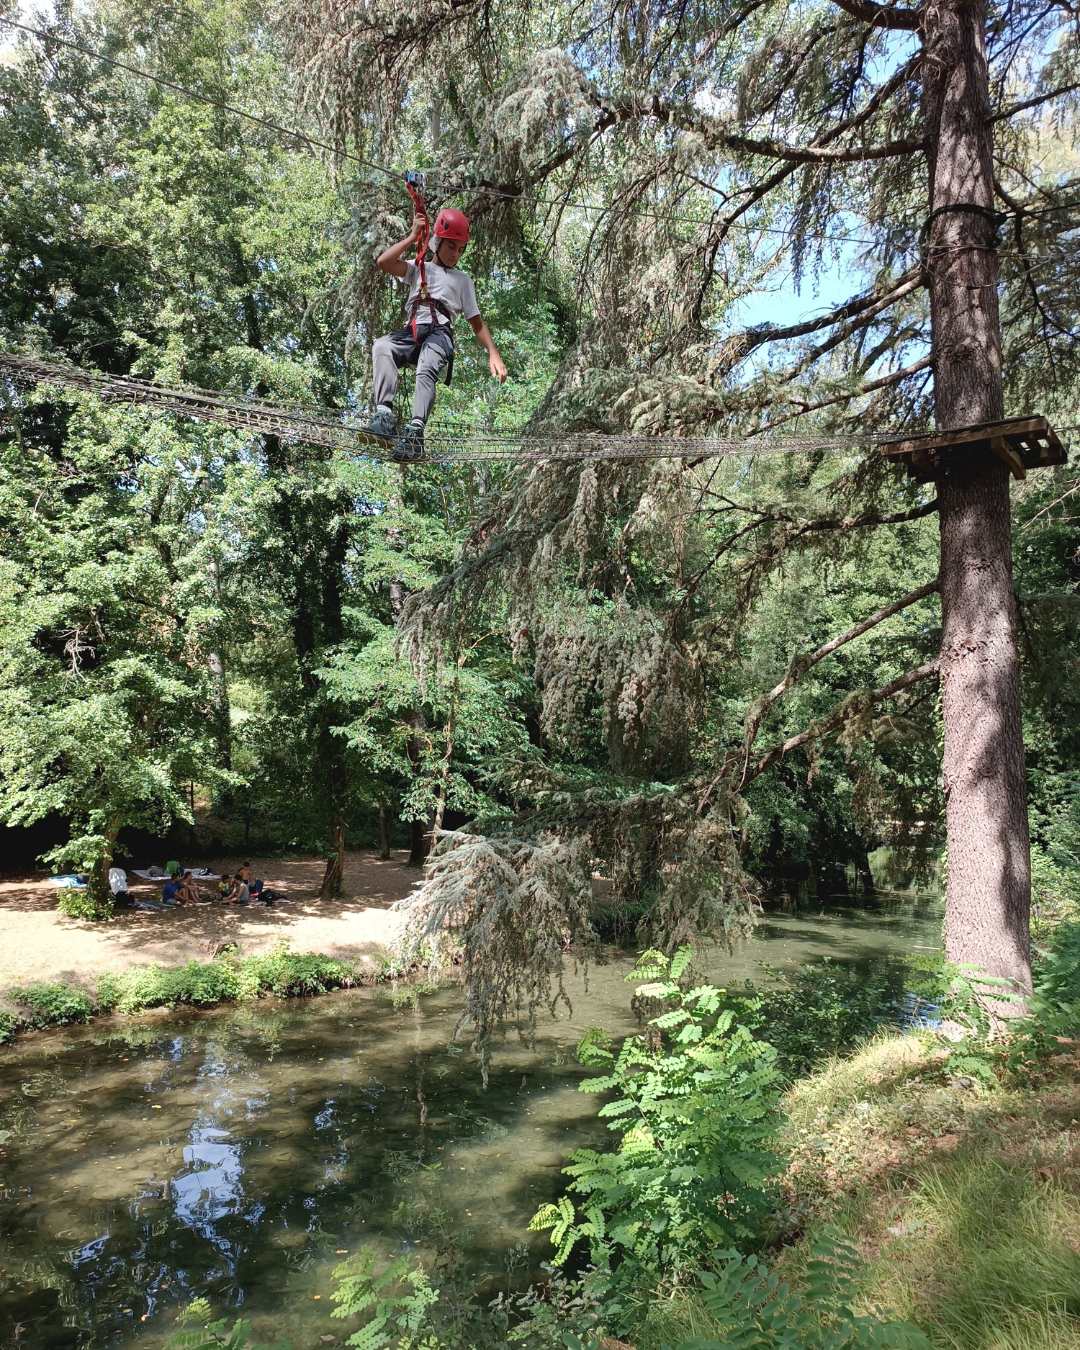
(449, 285)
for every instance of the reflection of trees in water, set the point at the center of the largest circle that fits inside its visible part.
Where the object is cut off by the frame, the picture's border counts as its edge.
(265, 1158)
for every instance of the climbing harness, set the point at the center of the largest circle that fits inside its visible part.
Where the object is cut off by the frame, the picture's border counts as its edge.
(414, 186)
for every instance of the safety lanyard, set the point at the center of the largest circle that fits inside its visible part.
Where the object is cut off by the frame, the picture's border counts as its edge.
(414, 183)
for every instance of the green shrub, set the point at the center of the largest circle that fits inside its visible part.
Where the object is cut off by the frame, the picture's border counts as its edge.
(202, 1332)
(1054, 1007)
(79, 904)
(695, 1103)
(51, 1005)
(202, 983)
(163, 987)
(291, 974)
(1056, 995)
(619, 921)
(8, 1027)
(394, 1301)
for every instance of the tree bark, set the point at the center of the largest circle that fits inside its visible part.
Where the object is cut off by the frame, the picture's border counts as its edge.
(419, 830)
(384, 834)
(989, 883)
(335, 863)
(98, 887)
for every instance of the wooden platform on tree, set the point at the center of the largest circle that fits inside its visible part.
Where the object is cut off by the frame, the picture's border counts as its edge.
(1022, 443)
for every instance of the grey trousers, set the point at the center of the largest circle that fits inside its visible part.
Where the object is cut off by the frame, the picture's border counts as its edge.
(429, 356)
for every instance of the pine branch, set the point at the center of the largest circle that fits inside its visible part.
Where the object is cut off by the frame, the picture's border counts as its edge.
(881, 16)
(717, 134)
(837, 717)
(863, 307)
(1027, 103)
(913, 281)
(801, 664)
(1019, 211)
(846, 397)
(840, 524)
(718, 232)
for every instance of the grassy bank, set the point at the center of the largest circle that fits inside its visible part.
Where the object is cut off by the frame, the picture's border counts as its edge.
(962, 1194)
(227, 978)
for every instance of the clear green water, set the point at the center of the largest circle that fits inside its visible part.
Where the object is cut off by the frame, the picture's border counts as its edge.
(239, 1153)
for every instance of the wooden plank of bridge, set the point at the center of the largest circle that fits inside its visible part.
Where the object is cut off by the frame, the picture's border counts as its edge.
(1021, 443)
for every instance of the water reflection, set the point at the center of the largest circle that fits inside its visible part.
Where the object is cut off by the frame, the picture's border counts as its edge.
(212, 1187)
(237, 1154)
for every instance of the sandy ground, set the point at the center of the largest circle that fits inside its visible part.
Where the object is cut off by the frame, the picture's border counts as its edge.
(37, 942)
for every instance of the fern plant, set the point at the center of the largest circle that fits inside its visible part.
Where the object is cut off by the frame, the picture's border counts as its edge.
(755, 1310)
(203, 1332)
(694, 1103)
(395, 1302)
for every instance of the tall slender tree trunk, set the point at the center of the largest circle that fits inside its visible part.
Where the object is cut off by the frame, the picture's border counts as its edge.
(989, 879)
(419, 830)
(219, 681)
(315, 606)
(98, 887)
(384, 832)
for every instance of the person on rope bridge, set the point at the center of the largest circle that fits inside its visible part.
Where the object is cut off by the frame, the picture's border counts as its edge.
(438, 292)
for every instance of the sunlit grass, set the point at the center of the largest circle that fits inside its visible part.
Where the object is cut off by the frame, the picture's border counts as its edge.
(990, 1259)
(964, 1198)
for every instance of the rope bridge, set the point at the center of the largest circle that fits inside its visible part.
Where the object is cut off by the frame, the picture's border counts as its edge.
(333, 430)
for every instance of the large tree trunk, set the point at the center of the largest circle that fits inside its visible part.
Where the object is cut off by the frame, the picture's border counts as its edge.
(989, 883)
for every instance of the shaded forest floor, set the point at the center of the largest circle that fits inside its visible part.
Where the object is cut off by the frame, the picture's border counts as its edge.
(37, 942)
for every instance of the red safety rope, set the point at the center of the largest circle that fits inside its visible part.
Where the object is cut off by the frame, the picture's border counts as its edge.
(420, 209)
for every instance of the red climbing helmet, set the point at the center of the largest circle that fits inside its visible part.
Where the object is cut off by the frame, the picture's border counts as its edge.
(451, 224)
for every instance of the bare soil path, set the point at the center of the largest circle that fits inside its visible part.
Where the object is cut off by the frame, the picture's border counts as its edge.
(37, 942)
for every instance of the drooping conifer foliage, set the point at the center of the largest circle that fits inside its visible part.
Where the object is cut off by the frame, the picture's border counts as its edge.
(666, 162)
(688, 678)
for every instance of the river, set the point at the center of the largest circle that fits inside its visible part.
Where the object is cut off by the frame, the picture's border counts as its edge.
(238, 1154)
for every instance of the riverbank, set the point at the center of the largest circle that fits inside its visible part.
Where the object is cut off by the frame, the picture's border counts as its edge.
(960, 1195)
(38, 943)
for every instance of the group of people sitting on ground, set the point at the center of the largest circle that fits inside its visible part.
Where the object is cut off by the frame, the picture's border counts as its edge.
(181, 888)
(240, 889)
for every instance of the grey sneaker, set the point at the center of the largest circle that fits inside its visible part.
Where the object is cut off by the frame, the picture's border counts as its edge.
(383, 424)
(409, 446)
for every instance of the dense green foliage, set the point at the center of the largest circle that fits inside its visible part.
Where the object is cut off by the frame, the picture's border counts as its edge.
(209, 623)
(49, 1005)
(693, 1103)
(826, 1008)
(187, 612)
(275, 974)
(90, 904)
(193, 613)
(755, 1310)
